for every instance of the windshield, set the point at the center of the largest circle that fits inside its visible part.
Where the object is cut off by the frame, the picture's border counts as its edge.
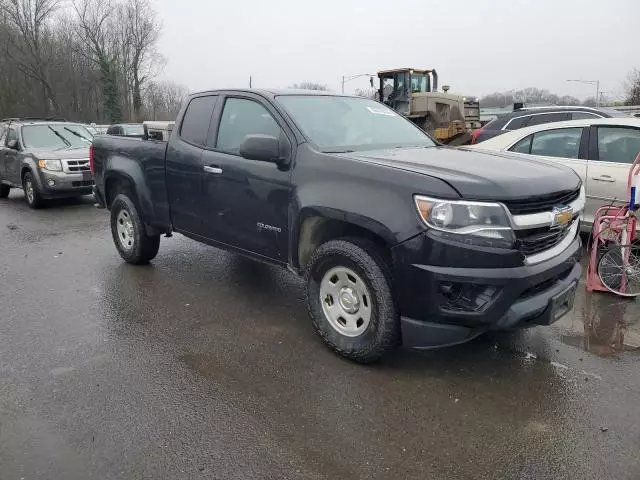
(55, 136)
(133, 130)
(339, 124)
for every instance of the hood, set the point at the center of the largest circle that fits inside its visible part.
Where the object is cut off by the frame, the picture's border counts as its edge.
(60, 153)
(478, 175)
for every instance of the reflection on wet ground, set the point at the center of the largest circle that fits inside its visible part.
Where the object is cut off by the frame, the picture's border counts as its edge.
(602, 323)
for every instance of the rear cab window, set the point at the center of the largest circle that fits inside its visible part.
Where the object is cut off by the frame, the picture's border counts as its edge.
(196, 120)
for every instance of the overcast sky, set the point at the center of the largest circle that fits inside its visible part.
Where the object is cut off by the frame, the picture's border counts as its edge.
(477, 46)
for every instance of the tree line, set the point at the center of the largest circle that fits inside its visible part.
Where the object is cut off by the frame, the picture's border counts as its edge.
(84, 60)
(537, 95)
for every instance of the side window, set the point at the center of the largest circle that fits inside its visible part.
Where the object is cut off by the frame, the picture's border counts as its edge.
(517, 123)
(583, 116)
(618, 144)
(12, 134)
(523, 146)
(561, 142)
(196, 120)
(242, 117)
(547, 118)
(112, 130)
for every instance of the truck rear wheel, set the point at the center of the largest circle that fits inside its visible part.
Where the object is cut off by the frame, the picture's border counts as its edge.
(350, 299)
(129, 235)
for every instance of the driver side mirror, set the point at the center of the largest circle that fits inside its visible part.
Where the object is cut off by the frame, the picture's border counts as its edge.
(266, 148)
(13, 144)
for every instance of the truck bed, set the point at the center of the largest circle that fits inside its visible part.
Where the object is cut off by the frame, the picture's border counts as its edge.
(143, 161)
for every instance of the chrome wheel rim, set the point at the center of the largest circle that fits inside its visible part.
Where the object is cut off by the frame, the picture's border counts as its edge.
(345, 301)
(124, 228)
(28, 189)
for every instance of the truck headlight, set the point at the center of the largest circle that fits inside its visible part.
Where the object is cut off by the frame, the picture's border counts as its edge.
(53, 165)
(479, 222)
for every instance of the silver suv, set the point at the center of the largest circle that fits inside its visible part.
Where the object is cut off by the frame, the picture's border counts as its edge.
(48, 159)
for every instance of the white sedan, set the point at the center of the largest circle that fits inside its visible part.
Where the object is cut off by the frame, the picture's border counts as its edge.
(600, 150)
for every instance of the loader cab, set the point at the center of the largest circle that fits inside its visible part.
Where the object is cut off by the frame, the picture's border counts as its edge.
(398, 86)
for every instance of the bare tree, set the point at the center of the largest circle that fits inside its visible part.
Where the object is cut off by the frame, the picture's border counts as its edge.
(27, 46)
(142, 33)
(309, 86)
(163, 100)
(632, 88)
(97, 30)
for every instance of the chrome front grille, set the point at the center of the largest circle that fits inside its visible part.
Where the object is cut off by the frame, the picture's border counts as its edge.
(541, 204)
(536, 240)
(76, 166)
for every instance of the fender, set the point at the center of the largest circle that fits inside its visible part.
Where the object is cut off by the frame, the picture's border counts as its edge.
(120, 166)
(29, 163)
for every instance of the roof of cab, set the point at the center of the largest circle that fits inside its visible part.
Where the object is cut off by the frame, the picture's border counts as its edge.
(269, 92)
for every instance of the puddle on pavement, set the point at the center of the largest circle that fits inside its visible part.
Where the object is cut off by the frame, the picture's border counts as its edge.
(603, 324)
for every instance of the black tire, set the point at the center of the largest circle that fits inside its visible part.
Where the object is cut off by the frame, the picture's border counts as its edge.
(367, 260)
(34, 200)
(144, 247)
(4, 191)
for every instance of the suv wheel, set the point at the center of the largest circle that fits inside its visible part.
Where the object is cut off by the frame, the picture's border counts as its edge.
(129, 235)
(4, 191)
(350, 299)
(31, 192)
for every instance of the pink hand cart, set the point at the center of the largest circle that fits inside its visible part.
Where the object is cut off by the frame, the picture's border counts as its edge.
(614, 265)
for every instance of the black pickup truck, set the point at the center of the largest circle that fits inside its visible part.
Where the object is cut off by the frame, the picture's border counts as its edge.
(400, 240)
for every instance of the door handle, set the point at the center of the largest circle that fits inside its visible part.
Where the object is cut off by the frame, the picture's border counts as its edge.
(603, 178)
(214, 170)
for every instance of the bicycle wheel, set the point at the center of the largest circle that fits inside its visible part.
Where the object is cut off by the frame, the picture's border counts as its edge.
(617, 275)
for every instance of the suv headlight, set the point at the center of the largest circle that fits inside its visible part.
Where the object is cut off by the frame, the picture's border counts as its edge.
(475, 222)
(53, 165)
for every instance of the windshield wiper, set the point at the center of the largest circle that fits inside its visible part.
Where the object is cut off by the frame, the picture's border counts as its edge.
(338, 151)
(66, 142)
(77, 134)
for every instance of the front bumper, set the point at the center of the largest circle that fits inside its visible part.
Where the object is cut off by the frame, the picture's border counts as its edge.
(61, 184)
(519, 296)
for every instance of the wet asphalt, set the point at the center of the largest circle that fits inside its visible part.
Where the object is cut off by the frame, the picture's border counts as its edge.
(204, 365)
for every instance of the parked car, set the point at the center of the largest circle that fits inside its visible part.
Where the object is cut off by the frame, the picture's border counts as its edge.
(400, 240)
(46, 159)
(127, 130)
(600, 150)
(529, 117)
(158, 130)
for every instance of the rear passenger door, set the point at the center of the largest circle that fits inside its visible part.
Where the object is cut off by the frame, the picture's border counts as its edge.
(612, 150)
(184, 165)
(246, 201)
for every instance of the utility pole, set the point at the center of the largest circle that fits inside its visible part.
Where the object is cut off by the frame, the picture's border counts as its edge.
(591, 82)
(353, 77)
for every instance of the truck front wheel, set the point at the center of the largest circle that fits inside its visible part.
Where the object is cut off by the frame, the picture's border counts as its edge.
(350, 300)
(129, 235)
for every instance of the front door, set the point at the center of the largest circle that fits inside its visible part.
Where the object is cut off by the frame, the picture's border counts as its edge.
(184, 165)
(612, 151)
(245, 202)
(11, 158)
